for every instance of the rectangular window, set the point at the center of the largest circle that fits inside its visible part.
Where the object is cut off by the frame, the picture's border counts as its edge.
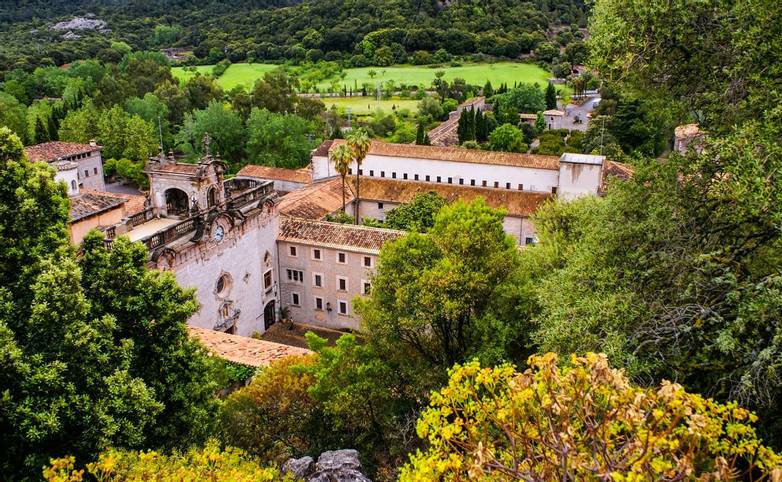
(343, 307)
(529, 240)
(293, 251)
(496, 183)
(371, 172)
(404, 176)
(472, 182)
(393, 175)
(367, 261)
(382, 173)
(342, 258)
(380, 205)
(427, 178)
(484, 183)
(461, 181)
(366, 287)
(521, 187)
(86, 173)
(317, 280)
(554, 190)
(318, 303)
(507, 185)
(361, 172)
(267, 281)
(350, 171)
(295, 275)
(342, 283)
(450, 180)
(415, 177)
(439, 179)
(316, 254)
(95, 170)
(295, 299)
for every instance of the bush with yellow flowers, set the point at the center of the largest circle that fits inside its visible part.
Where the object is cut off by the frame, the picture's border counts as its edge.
(584, 421)
(208, 464)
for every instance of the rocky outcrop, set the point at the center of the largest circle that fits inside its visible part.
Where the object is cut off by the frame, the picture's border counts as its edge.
(332, 466)
(87, 22)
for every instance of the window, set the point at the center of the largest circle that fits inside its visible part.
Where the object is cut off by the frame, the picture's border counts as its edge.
(382, 173)
(415, 177)
(318, 303)
(366, 287)
(316, 254)
(267, 281)
(521, 187)
(295, 275)
(86, 173)
(439, 179)
(450, 180)
(342, 258)
(529, 240)
(554, 190)
(342, 283)
(343, 307)
(295, 299)
(484, 183)
(427, 178)
(393, 175)
(95, 170)
(317, 280)
(292, 251)
(350, 171)
(404, 176)
(507, 185)
(367, 261)
(223, 285)
(461, 181)
(472, 182)
(496, 183)
(361, 172)
(380, 205)
(371, 172)
(73, 185)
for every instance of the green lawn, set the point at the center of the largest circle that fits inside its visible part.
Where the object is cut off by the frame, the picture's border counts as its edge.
(368, 105)
(478, 74)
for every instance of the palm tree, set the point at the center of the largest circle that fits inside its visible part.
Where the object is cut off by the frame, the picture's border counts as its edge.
(342, 156)
(358, 141)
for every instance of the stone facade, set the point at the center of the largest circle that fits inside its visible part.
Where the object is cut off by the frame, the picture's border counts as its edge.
(87, 157)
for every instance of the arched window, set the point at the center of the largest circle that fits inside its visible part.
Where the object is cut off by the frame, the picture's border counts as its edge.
(73, 185)
(211, 197)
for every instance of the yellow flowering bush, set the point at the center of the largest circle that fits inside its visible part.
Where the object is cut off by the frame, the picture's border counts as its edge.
(203, 464)
(582, 422)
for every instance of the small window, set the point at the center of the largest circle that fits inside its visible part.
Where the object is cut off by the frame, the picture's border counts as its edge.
(484, 183)
(73, 185)
(415, 177)
(86, 173)
(295, 299)
(95, 170)
(380, 205)
(427, 178)
(393, 175)
(450, 180)
(521, 187)
(316, 254)
(295, 275)
(366, 287)
(461, 181)
(317, 280)
(404, 176)
(342, 258)
(529, 240)
(371, 172)
(382, 173)
(507, 185)
(267, 281)
(350, 171)
(439, 179)
(343, 307)
(223, 285)
(367, 261)
(472, 182)
(292, 251)
(342, 283)
(361, 172)
(554, 190)
(496, 183)
(318, 303)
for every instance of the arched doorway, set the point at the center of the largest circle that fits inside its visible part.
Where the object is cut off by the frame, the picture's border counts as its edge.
(269, 315)
(211, 197)
(176, 202)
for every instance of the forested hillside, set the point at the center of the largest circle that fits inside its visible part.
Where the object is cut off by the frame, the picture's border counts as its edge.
(279, 29)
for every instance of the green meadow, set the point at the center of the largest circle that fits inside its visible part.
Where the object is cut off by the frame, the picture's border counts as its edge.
(474, 73)
(367, 105)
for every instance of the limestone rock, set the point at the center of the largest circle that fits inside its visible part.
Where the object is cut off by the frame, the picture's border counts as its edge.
(332, 466)
(300, 468)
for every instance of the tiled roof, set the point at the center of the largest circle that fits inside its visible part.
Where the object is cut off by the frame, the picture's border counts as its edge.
(526, 116)
(553, 112)
(516, 203)
(473, 101)
(335, 235)
(618, 169)
(242, 349)
(323, 149)
(51, 151)
(302, 175)
(458, 154)
(177, 167)
(89, 203)
(134, 202)
(64, 165)
(316, 200)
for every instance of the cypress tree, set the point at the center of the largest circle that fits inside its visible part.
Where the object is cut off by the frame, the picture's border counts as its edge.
(420, 134)
(41, 134)
(427, 142)
(551, 96)
(488, 91)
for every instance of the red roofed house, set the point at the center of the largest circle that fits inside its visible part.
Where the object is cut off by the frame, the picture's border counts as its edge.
(89, 165)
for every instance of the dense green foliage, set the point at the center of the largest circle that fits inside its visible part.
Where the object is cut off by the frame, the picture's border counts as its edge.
(94, 352)
(377, 32)
(417, 215)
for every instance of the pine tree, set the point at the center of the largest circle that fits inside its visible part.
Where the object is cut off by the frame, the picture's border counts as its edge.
(41, 134)
(551, 96)
(420, 134)
(488, 91)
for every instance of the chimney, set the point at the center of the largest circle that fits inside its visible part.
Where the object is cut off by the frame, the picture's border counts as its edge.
(93, 143)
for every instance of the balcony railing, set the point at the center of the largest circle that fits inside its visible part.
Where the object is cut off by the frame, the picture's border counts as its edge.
(229, 321)
(258, 192)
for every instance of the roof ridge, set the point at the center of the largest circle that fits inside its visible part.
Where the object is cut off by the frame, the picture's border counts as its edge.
(351, 226)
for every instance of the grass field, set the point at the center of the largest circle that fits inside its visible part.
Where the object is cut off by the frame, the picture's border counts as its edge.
(478, 74)
(368, 105)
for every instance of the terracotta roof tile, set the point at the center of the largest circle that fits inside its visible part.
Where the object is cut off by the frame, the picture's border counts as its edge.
(516, 203)
(553, 112)
(302, 175)
(51, 151)
(458, 154)
(473, 101)
(315, 200)
(335, 235)
(177, 167)
(323, 149)
(134, 202)
(89, 203)
(242, 349)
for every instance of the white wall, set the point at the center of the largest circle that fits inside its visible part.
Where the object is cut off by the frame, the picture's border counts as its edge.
(70, 178)
(578, 179)
(91, 171)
